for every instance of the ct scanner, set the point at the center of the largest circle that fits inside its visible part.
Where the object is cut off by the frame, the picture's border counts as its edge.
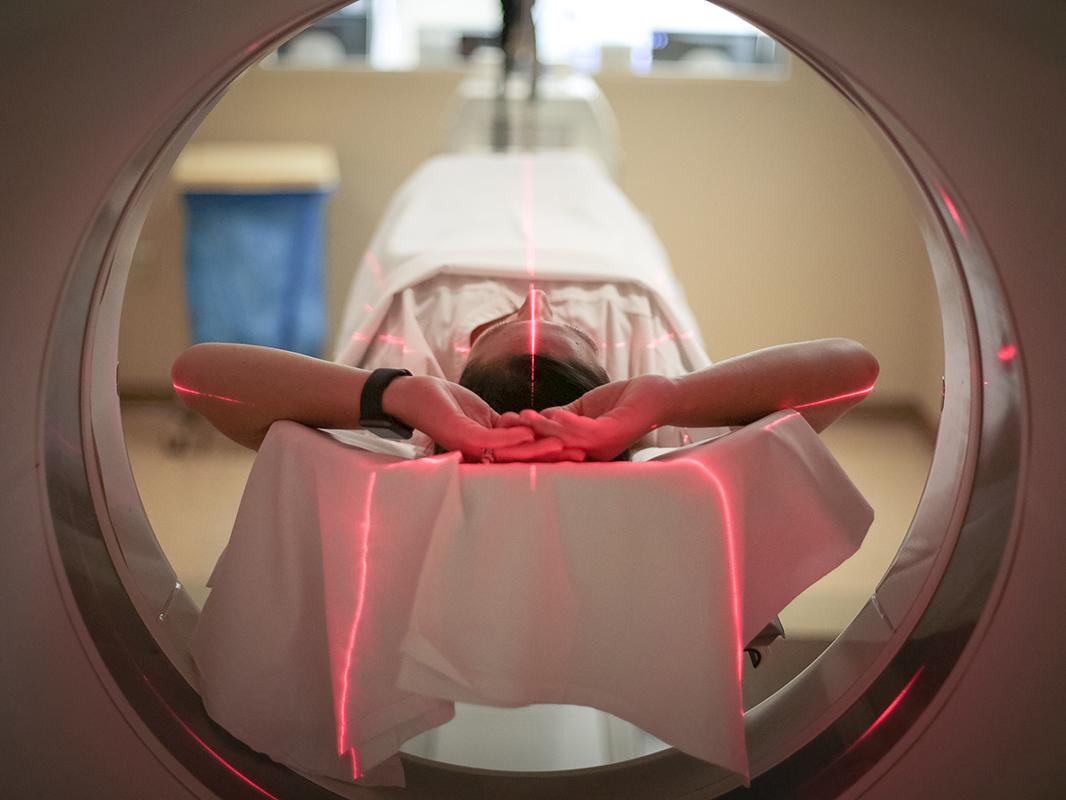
(948, 683)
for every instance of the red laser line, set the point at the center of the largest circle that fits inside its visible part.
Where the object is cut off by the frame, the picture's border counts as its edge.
(884, 714)
(954, 212)
(777, 422)
(375, 268)
(532, 343)
(186, 390)
(206, 747)
(531, 269)
(342, 724)
(734, 565)
(858, 393)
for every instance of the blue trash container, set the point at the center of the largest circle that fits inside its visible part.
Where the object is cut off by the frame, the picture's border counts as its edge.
(254, 255)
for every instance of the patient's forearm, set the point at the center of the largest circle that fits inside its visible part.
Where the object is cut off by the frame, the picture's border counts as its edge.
(820, 379)
(243, 389)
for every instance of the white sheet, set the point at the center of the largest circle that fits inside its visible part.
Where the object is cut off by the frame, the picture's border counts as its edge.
(548, 218)
(465, 237)
(361, 595)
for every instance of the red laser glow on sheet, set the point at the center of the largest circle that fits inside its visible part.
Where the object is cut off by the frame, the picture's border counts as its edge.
(532, 477)
(1007, 353)
(658, 340)
(187, 391)
(735, 586)
(207, 747)
(845, 396)
(375, 268)
(888, 711)
(360, 597)
(369, 309)
(780, 421)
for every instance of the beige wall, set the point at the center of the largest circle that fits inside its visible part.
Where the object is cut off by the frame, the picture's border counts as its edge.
(781, 214)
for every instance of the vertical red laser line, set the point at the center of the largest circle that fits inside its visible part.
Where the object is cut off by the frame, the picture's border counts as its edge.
(360, 597)
(375, 269)
(531, 266)
(734, 566)
(532, 342)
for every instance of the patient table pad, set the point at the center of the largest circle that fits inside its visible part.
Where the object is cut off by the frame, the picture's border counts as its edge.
(361, 595)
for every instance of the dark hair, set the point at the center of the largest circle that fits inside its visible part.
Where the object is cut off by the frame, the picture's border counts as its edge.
(513, 383)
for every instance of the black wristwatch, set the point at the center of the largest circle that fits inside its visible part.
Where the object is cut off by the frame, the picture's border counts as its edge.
(371, 415)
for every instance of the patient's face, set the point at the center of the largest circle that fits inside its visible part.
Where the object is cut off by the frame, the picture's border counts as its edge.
(532, 329)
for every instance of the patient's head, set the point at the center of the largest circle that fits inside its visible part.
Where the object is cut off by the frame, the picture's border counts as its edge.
(531, 359)
(515, 382)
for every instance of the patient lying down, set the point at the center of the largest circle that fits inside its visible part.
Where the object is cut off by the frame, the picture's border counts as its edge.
(532, 390)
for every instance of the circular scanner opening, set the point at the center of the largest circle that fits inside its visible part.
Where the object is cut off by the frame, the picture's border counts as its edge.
(132, 536)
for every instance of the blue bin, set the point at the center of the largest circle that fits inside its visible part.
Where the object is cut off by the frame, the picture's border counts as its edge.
(254, 268)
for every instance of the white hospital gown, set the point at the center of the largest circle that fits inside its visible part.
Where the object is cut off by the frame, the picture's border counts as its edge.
(427, 329)
(465, 237)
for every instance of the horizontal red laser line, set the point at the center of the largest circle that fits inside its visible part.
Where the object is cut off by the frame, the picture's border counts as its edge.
(186, 390)
(858, 393)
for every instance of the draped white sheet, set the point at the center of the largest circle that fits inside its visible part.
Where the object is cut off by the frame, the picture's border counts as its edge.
(362, 594)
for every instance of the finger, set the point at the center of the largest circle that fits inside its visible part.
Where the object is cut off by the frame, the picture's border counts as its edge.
(546, 427)
(560, 412)
(551, 413)
(538, 450)
(575, 425)
(474, 437)
(566, 454)
(509, 419)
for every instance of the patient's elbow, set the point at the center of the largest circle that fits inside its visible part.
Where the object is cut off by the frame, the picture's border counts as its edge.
(862, 366)
(186, 373)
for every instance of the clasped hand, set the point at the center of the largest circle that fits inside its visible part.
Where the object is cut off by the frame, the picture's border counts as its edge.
(597, 426)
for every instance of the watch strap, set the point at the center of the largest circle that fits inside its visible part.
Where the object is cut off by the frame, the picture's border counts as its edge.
(372, 415)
